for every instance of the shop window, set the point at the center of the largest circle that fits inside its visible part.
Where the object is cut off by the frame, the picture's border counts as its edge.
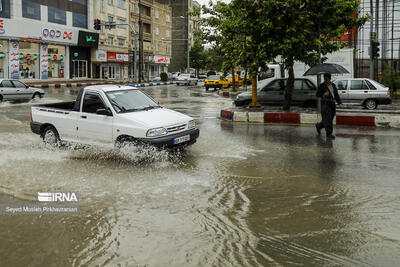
(5, 9)
(3, 58)
(57, 15)
(30, 10)
(56, 61)
(79, 20)
(29, 62)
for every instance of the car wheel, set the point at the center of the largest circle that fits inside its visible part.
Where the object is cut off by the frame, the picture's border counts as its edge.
(36, 96)
(370, 104)
(50, 137)
(196, 83)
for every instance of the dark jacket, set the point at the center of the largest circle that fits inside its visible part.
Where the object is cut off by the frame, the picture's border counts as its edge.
(331, 98)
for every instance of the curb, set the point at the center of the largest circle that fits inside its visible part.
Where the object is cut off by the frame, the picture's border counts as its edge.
(290, 118)
(59, 85)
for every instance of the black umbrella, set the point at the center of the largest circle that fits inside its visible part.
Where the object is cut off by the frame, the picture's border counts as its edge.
(326, 68)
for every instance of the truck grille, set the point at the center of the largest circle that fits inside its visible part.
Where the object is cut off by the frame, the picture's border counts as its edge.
(176, 128)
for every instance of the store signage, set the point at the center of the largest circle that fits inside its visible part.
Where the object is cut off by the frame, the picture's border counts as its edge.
(14, 60)
(2, 30)
(117, 57)
(44, 62)
(101, 55)
(88, 39)
(161, 59)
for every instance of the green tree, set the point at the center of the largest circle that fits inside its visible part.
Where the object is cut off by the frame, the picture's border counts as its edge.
(198, 57)
(305, 29)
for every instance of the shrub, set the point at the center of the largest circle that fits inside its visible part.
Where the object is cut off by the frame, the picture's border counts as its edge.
(164, 76)
(391, 78)
(211, 73)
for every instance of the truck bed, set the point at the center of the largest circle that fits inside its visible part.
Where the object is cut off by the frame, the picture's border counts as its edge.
(67, 106)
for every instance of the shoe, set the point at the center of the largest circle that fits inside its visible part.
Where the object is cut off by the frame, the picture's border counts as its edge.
(318, 129)
(332, 137)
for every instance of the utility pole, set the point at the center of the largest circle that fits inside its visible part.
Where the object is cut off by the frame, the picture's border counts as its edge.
(371, 56)
(377, 37)
(141, 76)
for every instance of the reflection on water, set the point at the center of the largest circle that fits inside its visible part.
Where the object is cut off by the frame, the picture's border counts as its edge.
(243, 195)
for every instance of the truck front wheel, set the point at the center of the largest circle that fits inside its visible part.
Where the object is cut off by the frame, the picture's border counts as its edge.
(50, 136)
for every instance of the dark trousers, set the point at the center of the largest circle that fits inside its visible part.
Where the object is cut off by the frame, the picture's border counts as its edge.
(328, 112)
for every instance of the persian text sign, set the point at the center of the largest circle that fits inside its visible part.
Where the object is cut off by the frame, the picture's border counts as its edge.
(161, 59)
(14, 60)
(44, 62)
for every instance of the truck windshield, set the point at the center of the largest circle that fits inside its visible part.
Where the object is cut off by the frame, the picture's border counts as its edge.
(130, 100)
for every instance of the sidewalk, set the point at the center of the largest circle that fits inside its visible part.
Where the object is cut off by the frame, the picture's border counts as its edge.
(385, 118)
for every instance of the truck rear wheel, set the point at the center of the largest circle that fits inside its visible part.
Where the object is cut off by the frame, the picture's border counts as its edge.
(50, 137)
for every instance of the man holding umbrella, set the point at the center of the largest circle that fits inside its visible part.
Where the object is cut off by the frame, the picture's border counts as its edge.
(328, 93)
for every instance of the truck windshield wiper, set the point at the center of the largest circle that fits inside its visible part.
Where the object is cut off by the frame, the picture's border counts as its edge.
(122, 109)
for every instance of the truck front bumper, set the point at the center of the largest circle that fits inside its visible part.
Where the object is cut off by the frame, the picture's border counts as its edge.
(169, 141)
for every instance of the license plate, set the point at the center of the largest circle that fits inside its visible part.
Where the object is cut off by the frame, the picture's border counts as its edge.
(181, 139)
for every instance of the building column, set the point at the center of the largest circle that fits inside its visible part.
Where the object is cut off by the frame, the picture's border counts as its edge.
(67, 63)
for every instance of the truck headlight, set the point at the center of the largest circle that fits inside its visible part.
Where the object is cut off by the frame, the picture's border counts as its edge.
(191, 124)
(156, 132)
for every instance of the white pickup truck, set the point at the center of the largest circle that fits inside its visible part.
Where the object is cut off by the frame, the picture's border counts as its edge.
(112, 114)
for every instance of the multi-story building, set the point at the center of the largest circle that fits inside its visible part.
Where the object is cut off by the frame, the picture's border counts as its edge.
(42, 39)
(184, 25)
(386, 16)
(112, 59)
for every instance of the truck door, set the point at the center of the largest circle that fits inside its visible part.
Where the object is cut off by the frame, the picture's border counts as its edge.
(94, 127)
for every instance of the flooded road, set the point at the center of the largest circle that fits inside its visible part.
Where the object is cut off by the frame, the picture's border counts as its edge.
(243, 195)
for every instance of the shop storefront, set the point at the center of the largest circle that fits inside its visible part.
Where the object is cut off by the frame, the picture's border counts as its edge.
(158, 65)
(3, 59)
(116, 67)
(36, 50)
(80, 65)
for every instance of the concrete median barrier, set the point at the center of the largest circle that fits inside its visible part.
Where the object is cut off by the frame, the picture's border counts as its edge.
(347, 118)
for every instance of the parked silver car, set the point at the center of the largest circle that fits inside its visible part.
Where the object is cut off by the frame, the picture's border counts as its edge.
(361, 91)
(187, 79)
(11, 90)
(304, 93)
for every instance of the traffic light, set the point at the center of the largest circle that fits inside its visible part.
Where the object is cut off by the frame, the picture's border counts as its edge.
(96, 24)
(375, 49)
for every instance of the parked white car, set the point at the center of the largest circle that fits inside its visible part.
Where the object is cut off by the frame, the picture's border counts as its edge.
(12, 90)
(361, 91)
(111, 114)
(187, 79)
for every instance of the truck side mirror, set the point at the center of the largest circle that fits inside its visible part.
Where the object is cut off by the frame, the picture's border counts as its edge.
(103, 111)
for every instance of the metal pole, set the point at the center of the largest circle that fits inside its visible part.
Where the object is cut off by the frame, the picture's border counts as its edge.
(392, 63)
(371, 57)
(140, 42)
(377, 36)
(188, 55)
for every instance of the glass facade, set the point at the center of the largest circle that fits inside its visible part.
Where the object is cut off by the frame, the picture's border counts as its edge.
(30, 10)
(5, 9)
(56, 15)
(56, 61)
(29, 60)
(3, 59)
(79, 20)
